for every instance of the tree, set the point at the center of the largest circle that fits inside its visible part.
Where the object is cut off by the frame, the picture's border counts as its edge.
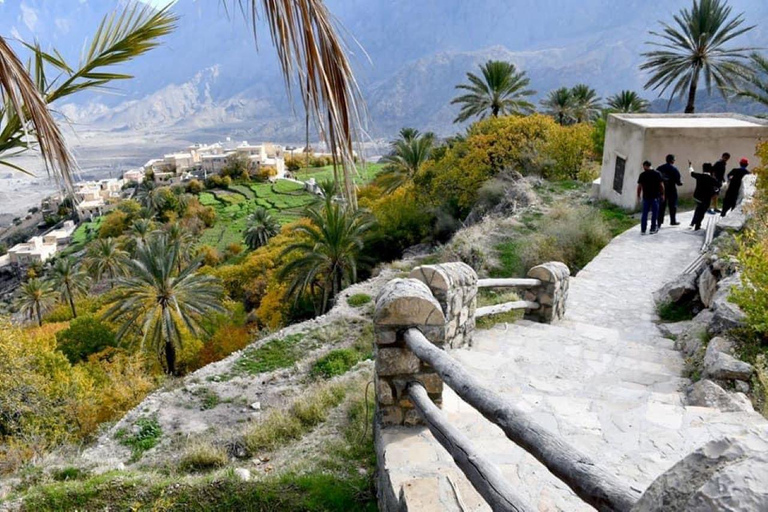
(25, 118)
(501, 91)
(35, 297)
(586, 103)
(140, 231)
(104, 258)
(755, 85)
(559, 104)
(261, 227)
(627, 102)
(697, 43)
(85, 336)
(409, 153)
(161, 303)
(328, 251)
(70, 281)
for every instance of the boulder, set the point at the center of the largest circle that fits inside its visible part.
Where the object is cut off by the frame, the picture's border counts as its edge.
(682, 289)
(706, 393)
(722, 366)
(676, 329)
(707, 286)
(690, 340)
(727, 475)
(726, 315)
(243, 474)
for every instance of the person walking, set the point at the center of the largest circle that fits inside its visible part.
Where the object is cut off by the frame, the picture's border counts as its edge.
(651, 187)
(706, 183)
(735, 178)
(672, 179)
(719, 173)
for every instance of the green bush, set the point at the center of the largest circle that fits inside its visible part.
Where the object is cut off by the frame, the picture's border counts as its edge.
(673, 312)
(335, 362)
(358, 299)
(85, 335)
(146, 436)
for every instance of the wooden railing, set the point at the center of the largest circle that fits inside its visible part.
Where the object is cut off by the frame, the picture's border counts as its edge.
(507, 306)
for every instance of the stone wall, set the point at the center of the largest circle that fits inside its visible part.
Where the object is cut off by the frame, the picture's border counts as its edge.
(552, 293)
(454, 285)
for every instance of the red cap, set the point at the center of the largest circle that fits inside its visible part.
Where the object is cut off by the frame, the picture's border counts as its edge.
(744, 162)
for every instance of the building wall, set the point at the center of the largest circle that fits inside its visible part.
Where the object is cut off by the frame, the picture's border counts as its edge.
(622, 139)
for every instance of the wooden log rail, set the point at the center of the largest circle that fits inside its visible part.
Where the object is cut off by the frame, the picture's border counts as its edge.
(508, 283)
(582, 474)
(505, 307)
(483, 474)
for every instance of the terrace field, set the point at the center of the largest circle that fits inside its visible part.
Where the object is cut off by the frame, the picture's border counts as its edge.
(366, 173)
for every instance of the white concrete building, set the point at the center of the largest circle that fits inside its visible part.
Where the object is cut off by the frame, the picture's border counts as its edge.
(136, 175)
(632, 138)
(62, 236)
(34, 250)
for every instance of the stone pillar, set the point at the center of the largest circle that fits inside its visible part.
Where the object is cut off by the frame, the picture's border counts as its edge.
(400, 305)
(454, 285)
(552, 293)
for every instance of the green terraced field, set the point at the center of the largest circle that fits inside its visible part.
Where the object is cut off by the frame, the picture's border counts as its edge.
(366, 173)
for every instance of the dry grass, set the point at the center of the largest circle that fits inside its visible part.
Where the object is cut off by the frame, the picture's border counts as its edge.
(202, 455)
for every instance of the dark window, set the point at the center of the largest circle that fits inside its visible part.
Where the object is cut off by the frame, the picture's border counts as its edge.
(618, 175)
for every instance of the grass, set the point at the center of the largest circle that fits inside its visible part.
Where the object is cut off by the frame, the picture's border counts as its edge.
(201, 455)
(618, 219)
(359, 299)
(673, 312)
(275, 354)
(146, 436)
(490, 297)
(208, 398)
(366, 173)
(335, 362)
(69, 473)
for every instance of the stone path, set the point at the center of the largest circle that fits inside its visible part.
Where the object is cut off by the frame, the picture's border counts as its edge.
(604, 378)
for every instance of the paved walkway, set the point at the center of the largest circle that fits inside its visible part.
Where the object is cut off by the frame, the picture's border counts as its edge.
(604, 378)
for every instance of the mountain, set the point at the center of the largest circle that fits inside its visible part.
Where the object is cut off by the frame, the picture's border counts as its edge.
(208, 80)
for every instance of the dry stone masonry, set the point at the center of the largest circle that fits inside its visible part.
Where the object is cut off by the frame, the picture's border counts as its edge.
(552, 293)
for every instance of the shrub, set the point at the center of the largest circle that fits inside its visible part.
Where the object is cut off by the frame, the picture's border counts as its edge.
(68, 473)
(234, 249)
(202, 456)
(146, 435)
(114, 224)
(85, 335)
(211, 256)
(674, 312)
(336, 362)
(359, 299)
(293, 164)
(195, 187)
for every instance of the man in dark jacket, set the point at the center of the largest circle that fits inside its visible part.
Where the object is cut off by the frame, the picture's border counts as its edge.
(734, 186)
(671, 177)
(706, 183)
(719, 173)
(650, 186)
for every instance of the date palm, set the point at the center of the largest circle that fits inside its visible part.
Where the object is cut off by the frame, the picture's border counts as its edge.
(755, 85)
(182, 238)
(162, 303)
(586, 103)
(627, 102)
(25, 118)
(328, 251)
(560, 105)
(502, 90)
(697, 44)
(261, 227)
(409, 153)
(104, 258)
(35, 298)
(70, 281)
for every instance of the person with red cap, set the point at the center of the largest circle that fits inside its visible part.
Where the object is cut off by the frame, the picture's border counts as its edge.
(734, 186)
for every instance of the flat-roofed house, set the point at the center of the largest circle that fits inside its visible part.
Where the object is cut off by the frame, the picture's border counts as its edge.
(34, 250)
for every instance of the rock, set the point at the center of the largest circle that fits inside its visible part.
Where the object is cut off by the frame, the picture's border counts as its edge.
(726, 315)
(256, 406)
(722, 366)
(706, 393)
(690, 340)
(707, 286)
(733, 222)
(676, 329)
(417, 251)
(741, 386)
(728, 475)
(720, 344)
(681, 289)
(243, 474)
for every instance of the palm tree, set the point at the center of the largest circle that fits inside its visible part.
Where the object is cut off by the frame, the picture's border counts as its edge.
(755, 86)
(559, 104)
(408, 154)
(70, 281)
(586, 103)
(696, 45)
(327, 252)
(104, 258)
(36, 297)
(627, 102)
(140, 231)
(160, 302)
(121, 37)
(151, 197)
(261, 227)
(501, 91)
(182, 238)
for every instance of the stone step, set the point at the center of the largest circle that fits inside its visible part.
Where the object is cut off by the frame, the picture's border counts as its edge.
(595, 332)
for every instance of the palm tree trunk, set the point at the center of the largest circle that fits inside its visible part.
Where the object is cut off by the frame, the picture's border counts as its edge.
(39, 315)
(170, 357)
(495, 110)
(691, 106)
(71, 301)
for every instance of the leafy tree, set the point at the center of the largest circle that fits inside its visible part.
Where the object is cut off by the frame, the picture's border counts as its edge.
(502, 90)
(114, 224)
(70, 281)
(409, 153)
(161, 303)
(35, 297)
(104, 258)
(261, 227)
(696, 44)
(328, 251)
(560, 105)
(586, 103)
(755, 86)
(85, 336)
(627, 102)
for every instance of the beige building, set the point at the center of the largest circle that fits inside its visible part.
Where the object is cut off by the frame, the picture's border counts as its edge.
(34, 250)
(632, 138)
(136, 175)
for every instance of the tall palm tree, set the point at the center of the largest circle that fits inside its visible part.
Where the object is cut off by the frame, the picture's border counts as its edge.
(261, 227)
(24, 116)
(697, 43)
(408, 155)
(327, 252)
(628, 102)
(586, 103)
(70, 281)
(501, 91)
(182, 238)
(35, 297)
(559, 104)
(755, 86)
(140, 231)
(104, 258)
(160, 302)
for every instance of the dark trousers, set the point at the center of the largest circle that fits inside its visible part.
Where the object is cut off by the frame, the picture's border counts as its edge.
(699, 213)
(729, 203)
(671, 202)
(650, 206)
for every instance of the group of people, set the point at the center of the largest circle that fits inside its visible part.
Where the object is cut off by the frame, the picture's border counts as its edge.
(658, 189)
